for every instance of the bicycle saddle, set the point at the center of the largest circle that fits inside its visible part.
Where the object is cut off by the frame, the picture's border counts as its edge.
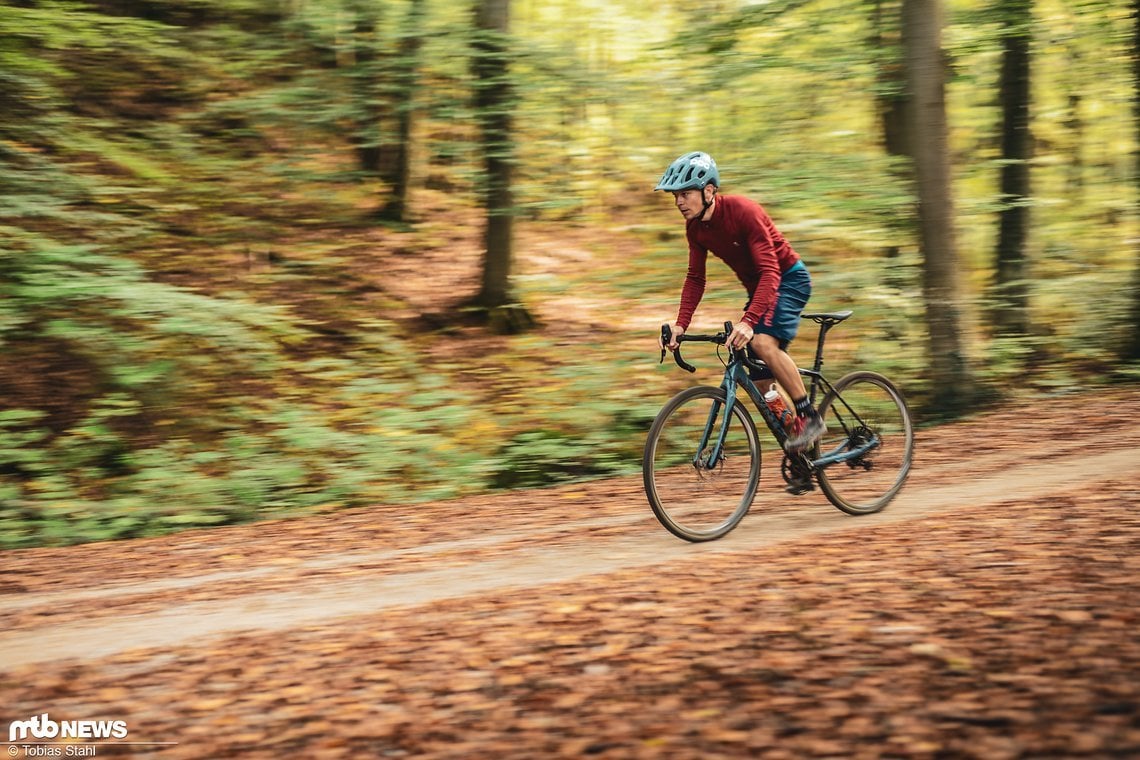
(828, 318)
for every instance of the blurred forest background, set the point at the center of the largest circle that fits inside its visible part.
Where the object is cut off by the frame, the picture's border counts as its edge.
(272, 257)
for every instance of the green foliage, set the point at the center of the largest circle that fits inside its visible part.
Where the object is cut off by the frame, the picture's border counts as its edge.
(600, 435)
(539, 458)
(201, 324)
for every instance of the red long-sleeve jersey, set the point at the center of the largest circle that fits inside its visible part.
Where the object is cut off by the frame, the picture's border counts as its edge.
(742, 234)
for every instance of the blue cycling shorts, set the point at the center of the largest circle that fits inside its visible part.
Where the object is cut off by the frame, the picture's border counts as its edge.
(791, 298)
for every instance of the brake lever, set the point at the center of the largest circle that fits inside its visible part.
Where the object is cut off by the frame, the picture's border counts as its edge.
(666, 338)
(728, 335)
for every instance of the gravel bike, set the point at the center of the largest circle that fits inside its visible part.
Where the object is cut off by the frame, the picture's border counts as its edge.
(702, 457)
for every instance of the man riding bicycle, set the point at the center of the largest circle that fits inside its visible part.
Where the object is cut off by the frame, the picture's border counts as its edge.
(739, 232)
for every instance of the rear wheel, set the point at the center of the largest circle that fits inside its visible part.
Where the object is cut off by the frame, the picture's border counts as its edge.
(696, 499)
(865, 411)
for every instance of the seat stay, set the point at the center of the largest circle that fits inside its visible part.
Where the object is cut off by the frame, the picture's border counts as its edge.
(849, 420)
(818, 383)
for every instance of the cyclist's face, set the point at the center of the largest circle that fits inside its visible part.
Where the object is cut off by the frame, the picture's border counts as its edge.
(689, 202)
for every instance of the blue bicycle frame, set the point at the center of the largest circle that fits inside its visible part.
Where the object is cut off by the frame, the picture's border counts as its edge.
(736, 377)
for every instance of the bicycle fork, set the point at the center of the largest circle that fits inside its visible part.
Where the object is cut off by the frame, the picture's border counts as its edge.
(708, 461)
(716, 453)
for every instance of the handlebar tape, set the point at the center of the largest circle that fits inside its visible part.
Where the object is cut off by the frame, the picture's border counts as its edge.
(666, 338)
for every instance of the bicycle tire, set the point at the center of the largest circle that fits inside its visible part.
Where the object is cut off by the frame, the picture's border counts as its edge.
(693, 502)
(858, 405)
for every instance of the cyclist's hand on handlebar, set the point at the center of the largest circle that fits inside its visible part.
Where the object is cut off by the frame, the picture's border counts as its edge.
(741, 335)
(676, 332)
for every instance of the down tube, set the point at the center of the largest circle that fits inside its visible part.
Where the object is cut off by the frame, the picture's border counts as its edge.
(757, 397)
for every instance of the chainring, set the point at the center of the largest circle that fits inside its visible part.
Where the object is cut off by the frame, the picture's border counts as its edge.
(794, 469)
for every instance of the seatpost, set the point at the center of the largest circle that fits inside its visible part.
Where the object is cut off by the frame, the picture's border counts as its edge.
(823, 328)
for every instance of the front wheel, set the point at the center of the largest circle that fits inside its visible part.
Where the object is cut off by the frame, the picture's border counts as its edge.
(699, 496)
(865, 412)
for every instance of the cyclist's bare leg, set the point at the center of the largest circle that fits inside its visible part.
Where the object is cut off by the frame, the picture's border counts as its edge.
(781, 364)
(808, 426)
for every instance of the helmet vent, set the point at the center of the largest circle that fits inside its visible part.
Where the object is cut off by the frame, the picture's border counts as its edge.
(691, 171)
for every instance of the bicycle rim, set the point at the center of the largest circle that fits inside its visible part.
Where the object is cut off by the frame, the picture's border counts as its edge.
(692, 500)
(865, 407)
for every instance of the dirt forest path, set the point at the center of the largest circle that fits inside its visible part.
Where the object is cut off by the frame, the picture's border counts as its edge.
(991, 611)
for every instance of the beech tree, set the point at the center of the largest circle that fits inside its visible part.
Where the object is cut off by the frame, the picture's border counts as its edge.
(494, 103)
(1011, 286)
(406, 84)
(928, 136)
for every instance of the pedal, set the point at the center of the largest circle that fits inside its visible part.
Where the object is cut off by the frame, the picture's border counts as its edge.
(800, 487)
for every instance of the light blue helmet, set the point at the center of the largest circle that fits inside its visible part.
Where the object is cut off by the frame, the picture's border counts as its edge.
(691, 171)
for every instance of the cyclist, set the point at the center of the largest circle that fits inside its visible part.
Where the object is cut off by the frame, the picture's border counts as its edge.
(739, 231)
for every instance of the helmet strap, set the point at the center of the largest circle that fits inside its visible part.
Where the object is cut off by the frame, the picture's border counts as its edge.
(708, 202)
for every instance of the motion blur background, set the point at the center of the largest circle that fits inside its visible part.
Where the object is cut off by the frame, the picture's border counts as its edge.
(244, 271)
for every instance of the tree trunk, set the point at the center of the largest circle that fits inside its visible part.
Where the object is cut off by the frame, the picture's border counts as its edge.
(890, 78)
(1132, 346)
(922, 39)
(366, 138)
(891, 103)
(1011, 289)
(494, 104)
(396, 207)
(1075, 124)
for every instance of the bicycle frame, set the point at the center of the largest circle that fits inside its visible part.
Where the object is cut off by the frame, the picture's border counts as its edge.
(736, 377)
(702, 460)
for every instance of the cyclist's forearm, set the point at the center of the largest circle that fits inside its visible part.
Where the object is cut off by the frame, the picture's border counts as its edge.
(691, 295)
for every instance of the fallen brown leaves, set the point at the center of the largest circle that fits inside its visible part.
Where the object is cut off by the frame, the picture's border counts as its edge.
(978, 634)
(985, 632)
